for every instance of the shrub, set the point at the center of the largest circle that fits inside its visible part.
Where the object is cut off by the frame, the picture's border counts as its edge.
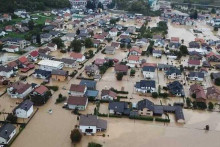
(210, 106)
(75, 136)
(54, 88)
(132, 72)
(11, 118)
(93, 144)
(119, 76)
(61, 98)
(154, 95)
(217, 81)
(215, 29)
(119, 92)
(162, 120)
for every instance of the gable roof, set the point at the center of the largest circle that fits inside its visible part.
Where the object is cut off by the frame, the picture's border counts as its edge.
(41, 89)
(121, 68)
(77, 88)
(109, 92)
(25, 105)
(92, 120)
(76, 55)
(75, 100)
(6, 130)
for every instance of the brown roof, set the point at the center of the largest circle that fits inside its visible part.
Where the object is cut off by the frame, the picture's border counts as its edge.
(212, 90)
(77, 88)
(12, 64)
(75, 100)
(194, 62)
(76, 55)
(198, 90)
(121, 67)
(110, 93)
(41, 89)
(20, 87)
(132, 57)
(135, 49)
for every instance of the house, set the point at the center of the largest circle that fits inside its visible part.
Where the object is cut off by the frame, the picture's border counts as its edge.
(116, 45)
(141, 42)
(175, 88)
(11, 48)
(77, 56)
(145, 107)
(50, 65)
(132, 59)
(44, 51)
(157, 53)
(196, 76)
(91, 85)
(92, 94)
(119, 108)
(34, 55)
(24, 109)
(213, 93)
(113, 32)
(77, 90)
(43, 56)
(135, 51)
(174, 45)
(91, 124)
(173, 73)
(145, 86)
(164, 67)
(13, 65)
(21, 43)
(194, 44)
(215, 76)
(8, 28)
(99, 62)
(52, 46)
(68, 62)
(19, 12)
(6, 71)
(194, 63)
(76, 102)
(19, 89)
(159, 43)
(92, 70)
(198, 91)
(42, 74)
(212, 57)
(175, 39)
(40, 90)
(46, 37)
(148, 72)
(108, 95)
(59, 75)
(110, 50)
(120, 68)
(7, 133)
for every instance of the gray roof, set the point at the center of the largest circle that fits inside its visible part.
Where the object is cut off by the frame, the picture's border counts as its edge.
(68, 61)
(5, 68)
(118, 106)
(196, 74)
(172, 70)
(149, 68)
(158, 110)
(88, 83)
(179, 113)
(59, 72)
(164, 66)
(92, 120)
(25, 105)
(6, 130)
(109, 48)
(145, 104)
(145, 83)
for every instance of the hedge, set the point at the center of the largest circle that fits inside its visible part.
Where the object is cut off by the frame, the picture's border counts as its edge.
(110, 115)
(119, 92)
(162, 120)
(54, 88)
(122, 97)
(147, 118)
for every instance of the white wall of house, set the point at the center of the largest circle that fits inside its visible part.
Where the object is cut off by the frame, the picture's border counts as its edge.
(22, 95)
(6, 74)
(113, 34)
(21, 113)
(145, 90)
(148, 75)
(50, 68)
(156, 55)
(4, 141)
(83, 129)
(195, 79)
(79, 107)
(74, 93)
(135, 53)
(107, 97)
(10, 50)
(174, 76)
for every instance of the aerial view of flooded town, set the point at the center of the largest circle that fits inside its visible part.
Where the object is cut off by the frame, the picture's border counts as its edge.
(109, 73)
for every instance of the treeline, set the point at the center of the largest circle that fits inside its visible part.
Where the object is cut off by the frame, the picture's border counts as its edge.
(140, 6)
(32, 5)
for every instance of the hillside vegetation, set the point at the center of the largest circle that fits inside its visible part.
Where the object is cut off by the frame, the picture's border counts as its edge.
(32, 5)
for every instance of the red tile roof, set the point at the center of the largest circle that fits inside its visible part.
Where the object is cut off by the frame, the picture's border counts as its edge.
(34, 53)
(75, 100)
(76, 55)
(77, 88)
(41, 89)
(121, 68)
(194, 62)
(135, 49)
(23, 59)
(175, 39)
(134, 58)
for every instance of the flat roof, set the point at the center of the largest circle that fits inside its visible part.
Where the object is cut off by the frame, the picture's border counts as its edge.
(50, 63)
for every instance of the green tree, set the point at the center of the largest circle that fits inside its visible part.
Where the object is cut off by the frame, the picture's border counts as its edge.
(213, 11)
(132, 72)
(75, 136)
(11, 118)
(88, 43)
(188, 102)
(90, 5)
(77, 31)
(100, 5)
(31, 24)
(113, 21)
(217, 81)
(1, 47)
(58, 41)
(210, 106)
(215, 29)
(154, 94)
(119, 76)
(129, 46)
(184, 50)
(76, 45)
(122, 45)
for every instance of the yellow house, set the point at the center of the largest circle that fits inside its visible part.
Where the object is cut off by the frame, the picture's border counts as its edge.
(59, 75)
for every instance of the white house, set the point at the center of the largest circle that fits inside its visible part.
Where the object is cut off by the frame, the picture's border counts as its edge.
(77, 56)
(108, 95)
(7, 132)
(113, 32)
(157, 53)
(76, 102)
(11, 48)
(77, 90)
(19, 12)
(148, 72)
(91, 124)
(6, 71)
(145, 86)
(19, 90)
(52, 46)
(24, 109)
(133, 60)
(49, 65)
(135, 51)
